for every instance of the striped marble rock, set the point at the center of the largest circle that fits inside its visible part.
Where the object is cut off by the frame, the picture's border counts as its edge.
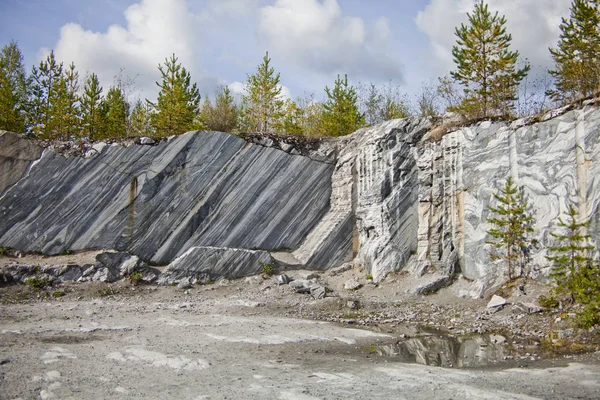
(197, 189)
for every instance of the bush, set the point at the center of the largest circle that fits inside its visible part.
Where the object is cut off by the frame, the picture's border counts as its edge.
(548, 301)
(268, 269)
(135, 277)
(589, 316)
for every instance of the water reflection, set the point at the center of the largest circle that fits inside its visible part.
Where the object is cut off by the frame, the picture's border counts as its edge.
(441, 351)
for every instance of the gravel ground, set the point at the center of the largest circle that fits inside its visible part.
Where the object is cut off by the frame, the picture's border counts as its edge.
(254, 339)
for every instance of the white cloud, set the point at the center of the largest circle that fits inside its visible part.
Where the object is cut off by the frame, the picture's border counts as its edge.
(154, 30)
(318, 37)
(533, 25)
(234, 8)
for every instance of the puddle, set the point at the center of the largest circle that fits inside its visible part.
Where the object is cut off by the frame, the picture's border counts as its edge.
(456, 351)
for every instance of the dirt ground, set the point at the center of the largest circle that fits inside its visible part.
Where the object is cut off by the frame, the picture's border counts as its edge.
(254, 339)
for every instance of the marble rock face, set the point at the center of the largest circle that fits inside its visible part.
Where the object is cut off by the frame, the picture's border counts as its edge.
(387, 198)
(157, 202)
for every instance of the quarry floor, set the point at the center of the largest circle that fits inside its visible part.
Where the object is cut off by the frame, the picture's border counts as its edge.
(254, 339)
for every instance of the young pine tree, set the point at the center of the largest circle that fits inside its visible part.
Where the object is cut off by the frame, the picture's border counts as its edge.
(340, 112)
(577, 55)
(10, 117)
(573, 267)
(45, 80)
(64, 121)
(91, 108)
(486, 66)
(178, 101)
(263, 102)
(511, 228)
(115, 113)
(572, 251)
(13, 89)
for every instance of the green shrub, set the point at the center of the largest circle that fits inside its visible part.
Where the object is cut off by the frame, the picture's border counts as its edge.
(369, 276)
(135, 277)
(268, 269)
(548, 301)
(58, 293)
(589, 316)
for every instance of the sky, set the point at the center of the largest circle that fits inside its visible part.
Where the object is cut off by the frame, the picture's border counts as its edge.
(407, 42)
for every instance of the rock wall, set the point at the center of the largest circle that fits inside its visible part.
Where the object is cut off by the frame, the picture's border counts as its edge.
(198, 189)
(388, 197)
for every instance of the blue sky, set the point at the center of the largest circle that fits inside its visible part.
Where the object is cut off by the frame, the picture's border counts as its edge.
(309, 41)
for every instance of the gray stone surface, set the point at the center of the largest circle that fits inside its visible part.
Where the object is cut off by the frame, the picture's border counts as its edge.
(16, 156)
(201, 263)
(198, 189)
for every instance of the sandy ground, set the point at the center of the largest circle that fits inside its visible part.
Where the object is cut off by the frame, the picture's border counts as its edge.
(253, 339)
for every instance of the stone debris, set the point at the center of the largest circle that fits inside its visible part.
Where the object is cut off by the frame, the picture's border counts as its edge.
(341, 269)
(282, 279)
(528, 308)
(352, 284)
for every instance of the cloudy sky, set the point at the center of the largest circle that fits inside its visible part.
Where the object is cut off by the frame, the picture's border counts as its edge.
(309, 41)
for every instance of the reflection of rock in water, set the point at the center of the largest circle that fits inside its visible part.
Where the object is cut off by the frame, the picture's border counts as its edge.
(446, 351)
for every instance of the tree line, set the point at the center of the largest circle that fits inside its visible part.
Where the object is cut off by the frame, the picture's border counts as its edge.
(490, 80)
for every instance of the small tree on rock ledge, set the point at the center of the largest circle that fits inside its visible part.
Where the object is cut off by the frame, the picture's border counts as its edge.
(511, 228)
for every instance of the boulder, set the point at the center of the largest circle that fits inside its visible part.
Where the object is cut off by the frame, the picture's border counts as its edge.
(432, 285)
(201, 263)
(282, 279)
(496, 303)
(352, 284)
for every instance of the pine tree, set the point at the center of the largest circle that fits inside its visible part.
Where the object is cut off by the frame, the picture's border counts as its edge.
(340, 112)
(115, 113)
(222, 117)
(577, 56)
(64, 113)
(178, 101)
(13, 89)
(485, 65)
(140, 119)
(263, 102)
(572, 251)
(91, 108)
(574, 269)
(10, 117)
(45, 79)
(511, 228)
